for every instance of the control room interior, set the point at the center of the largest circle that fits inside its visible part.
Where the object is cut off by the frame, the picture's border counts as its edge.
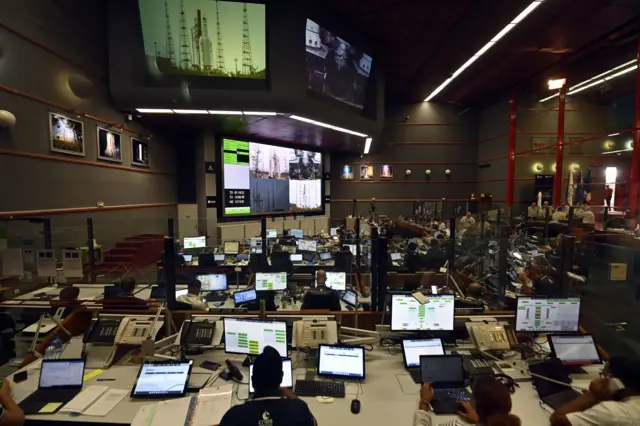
(395, 180)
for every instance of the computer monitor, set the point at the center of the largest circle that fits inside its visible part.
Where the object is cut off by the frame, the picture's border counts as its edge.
(58, 373)
(287, 376)
(194, 242)
(336, 280)
(576, 349)
(213, 282)
(187, 257)
(307, 245)
(333, 232)
(296, 258)
(352, 248)
(341, 361)
(182, 292)
(157, 379)
(298, 233)
(514, 274)
(272, 233)
(325, 256)
(412, 349)
(245, 336)
(271, 281)
(231, 247)
(244, 296)
(547, 314)
(396, 256)
(442, 369)
(407, 314)
(243, 257)
(218, 257)
(350, 298)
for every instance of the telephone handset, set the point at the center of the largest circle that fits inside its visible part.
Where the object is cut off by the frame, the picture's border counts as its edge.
(132, 332)
(492, 336)
(102, 330)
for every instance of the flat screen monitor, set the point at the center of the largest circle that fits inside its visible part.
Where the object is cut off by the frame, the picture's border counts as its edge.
(245, 336)
(547, 314)
(335, 68)
(341, 361)
(352, 248)
(58, 373)
(333, 232)
(307, 245)
(396, 256)
(194, 242)
(187, 257)
(298, 233)
(157, 379)
(260, 179)
(287, 376)
(296, 258)
(272, 233)
(218, 257)
(266, 281)
(231, 247)
(577, 349)
(325, 256)
(350, 298)
(182, 292)
(244, 296)
(412, 349)
(201, 59)
(407, 314)
(337, 280)
(213, 282)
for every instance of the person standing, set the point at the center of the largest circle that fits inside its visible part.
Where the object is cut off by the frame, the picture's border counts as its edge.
(533, 210)
(467, 222)
(608, 195)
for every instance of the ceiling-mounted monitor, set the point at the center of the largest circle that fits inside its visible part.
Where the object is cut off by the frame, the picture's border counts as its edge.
(260, 179)
(335, 68)
(209, 38)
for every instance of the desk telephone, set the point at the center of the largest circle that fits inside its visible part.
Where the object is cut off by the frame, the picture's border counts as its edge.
(102, 330)
(134, 332)
(199, 334)
(492, 336)
(310, 334)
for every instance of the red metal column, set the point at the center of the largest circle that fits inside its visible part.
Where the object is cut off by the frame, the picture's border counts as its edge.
(557, 183)
(512, 147)
(635, 159)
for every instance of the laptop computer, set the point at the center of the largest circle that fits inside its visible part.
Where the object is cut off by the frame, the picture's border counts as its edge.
(413, 349)
(296, 258)
(60, 381)
(553, 394)
(446, 375)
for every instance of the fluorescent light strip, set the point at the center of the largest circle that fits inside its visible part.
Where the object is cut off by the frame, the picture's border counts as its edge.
(258, 113)
(487, 46)
(632, 62)
(218, 112)
(154, 111)
(613, 134)
(618, 152)
(328, 126)
(367, 145)
(191, 111)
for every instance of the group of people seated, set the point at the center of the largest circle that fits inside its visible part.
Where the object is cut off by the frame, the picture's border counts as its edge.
(581, 212)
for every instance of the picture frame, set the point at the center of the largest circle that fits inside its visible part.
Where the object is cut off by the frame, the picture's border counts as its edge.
(366, 172)
(66, 135)
(538, 142)
(346, 172)
(109, 145)
(139, 152)
(386, 172)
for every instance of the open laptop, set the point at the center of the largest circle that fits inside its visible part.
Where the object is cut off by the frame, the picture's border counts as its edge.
(553, 394)
(446, 375)
(413, 349)
(574, 350)
(296, 258)
(60, 381)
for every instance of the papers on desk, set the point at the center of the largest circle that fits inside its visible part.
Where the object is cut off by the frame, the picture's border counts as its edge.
(173, 412)
(211, 405)
(84, 399)
(107, 402)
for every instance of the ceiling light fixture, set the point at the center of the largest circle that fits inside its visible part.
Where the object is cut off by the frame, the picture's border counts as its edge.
(328, 126)
(222, 112)
(191, 111)
(154, 111)
(613, 134)
(258, 113)
(487, 46)
(618, 151)
(622, 69)
(367, 145)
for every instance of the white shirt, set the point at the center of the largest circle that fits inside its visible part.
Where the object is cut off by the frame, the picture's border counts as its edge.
(467, 222)
(613, 413)
(193, 300)
(588, 217)
(422, 418)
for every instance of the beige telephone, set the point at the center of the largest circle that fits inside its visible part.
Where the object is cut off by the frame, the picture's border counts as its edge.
(491, 336)
(133, 332)
(310, 334)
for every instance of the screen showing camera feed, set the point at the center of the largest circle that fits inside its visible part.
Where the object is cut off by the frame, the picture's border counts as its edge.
(265, 179)
(211, 38)
(335, 68)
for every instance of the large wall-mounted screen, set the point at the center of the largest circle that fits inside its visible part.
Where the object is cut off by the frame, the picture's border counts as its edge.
(335, 68)
(260, 179)
(211, 38)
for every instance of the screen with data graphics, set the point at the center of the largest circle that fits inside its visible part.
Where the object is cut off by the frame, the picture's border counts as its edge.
(251, 337)
(410, 315)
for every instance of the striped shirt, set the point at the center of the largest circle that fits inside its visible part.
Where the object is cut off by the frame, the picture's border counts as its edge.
(422, 418)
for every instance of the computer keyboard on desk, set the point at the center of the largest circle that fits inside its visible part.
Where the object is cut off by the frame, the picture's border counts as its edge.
(457, 394)
(319, 388)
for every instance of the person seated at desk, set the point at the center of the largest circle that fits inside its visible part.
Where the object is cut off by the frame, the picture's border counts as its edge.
(542, 212)
(600, 405)
(68, 300)
(533, 210)
(541, 283)
(413, 260)
(126, 298)
(10, 413)
(558, 215)
(270, 404)
(321, 297)
(193, 296)
(287, 239)
(475, 296)
(587, 215)
(492, 401)
(280, 260)
(258, 262)
(344, 259)
(435, 257)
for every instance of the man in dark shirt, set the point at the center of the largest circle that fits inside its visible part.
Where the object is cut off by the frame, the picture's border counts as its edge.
(543, 284)
(126, 299)
(270, 405)
(413, 260)
(280, 260)
(435, 256)
(321, 297)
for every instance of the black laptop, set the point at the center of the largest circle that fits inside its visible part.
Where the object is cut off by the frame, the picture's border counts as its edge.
(413, 349)
(446, 375)
(60, 381)
(553, 394)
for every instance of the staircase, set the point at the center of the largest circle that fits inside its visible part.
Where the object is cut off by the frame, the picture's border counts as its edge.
(134, 252)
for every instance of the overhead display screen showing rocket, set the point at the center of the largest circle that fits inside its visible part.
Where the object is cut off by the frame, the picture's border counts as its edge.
(261, 179)
(210, 38)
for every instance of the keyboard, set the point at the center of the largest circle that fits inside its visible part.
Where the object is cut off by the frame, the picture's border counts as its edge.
(457, 394)
(319, 388)
(416, 375)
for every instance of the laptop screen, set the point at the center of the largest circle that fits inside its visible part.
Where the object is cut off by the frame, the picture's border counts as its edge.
(444, 368)
(325, 256)
(413, 349)
(296, 258)
(56, 373)
(341, 361)
(575, 349)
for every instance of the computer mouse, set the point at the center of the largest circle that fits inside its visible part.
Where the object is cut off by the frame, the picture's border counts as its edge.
(355, 406)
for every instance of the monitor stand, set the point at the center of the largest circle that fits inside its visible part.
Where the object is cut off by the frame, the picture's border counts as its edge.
(574, 369)
(250, 359)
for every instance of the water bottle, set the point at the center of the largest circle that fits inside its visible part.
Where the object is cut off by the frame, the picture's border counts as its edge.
(54, 350)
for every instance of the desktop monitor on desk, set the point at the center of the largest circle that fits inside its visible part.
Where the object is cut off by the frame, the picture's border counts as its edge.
(352, 248)
(336, 280)
(324, 256)
(213, 282)
(266, 281)
(272, 233)
(298, 233)
(333, 232)
(245, 336)
(296, 258)
(307, 245)
(547, 314)
(194, 242)
(231, 247)
(218, 258)
(407, 314)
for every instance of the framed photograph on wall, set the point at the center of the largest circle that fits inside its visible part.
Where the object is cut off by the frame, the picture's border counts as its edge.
(366, 172)
(538, 142)
(66, 134)
(139, 152)
(109, 145)
(346, 173)
(386, 171)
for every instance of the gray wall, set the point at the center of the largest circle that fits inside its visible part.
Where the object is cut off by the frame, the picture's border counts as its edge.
(443, 137)
(77, 80)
